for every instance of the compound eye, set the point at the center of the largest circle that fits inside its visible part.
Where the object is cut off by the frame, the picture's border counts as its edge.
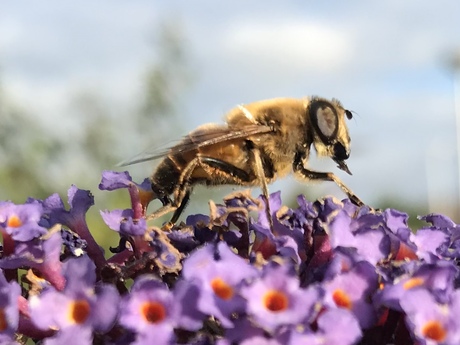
(348, 114)
(325, 121)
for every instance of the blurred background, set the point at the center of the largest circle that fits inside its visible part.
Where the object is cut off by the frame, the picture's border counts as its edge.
(87, 84)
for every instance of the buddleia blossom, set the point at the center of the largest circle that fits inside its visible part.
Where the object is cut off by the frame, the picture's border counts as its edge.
(128, 222)
(9, 310)
(353, 290)
(26, 242)
(323, 272)
(140, 194)
(334, 327)
(219, 287)
(150, 311)
(430, 321)
(79, 309)
(74, 218)
(276, 299)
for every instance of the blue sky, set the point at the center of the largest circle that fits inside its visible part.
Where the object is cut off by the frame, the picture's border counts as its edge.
(387, 61)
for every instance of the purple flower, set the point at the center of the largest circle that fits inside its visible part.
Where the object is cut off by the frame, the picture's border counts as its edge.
(219, 285)
(150, 311)
(437, 278)
(274, 200)
(26, 243)
(268, 244)
(202, 228)
(285, 241)
(209, 229)
(440, 221)
(371, 243)
(263, 340)
(237, 208)
(42, 254)
(276, 299)
(396, 221)
(75, 218)
(140, 194)
(112, 180)
(79, 200)
(335, 327)
(243, 329)
(328, 272)
(186, 295)
(183, 239)
(167, 257)
(79, 309)
(352, 290)
(9, 314)
(247, 333)
(400, 236)
(122, 221)
(432, 244)
(328, 207)
(301, 217)
(440, 240)
(21, 222)
(430, 321)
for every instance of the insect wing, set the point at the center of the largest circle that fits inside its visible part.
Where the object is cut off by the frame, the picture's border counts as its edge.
(204, 136)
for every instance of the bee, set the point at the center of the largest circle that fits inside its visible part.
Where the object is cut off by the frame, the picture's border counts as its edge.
(260, 142)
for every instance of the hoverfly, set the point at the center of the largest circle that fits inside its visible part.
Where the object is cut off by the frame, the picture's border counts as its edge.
(260, 142)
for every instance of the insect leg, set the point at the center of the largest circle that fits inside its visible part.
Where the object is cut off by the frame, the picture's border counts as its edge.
(182, 206)
(176, 206)
(181, 194)
(260, 172)
(233, 173)
(161, 211)
(229, 174)
(237, 175)
(328, 176)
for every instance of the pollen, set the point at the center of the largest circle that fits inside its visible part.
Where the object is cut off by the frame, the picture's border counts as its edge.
(222, 289)
(275, 301)
(3, 322)
(413, 282)
(341, 299)
(14, 221)
(153, 312)
(79, 311)
(435, 331)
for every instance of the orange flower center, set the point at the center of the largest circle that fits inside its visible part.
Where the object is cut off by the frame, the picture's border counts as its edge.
(413, 282)
(275, 301)
(14, 221)
(341, 299)
(222, 289)
(79, 311)
(434, 330)
(153, 312)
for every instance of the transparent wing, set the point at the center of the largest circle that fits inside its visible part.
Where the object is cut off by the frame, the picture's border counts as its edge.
(204, 136)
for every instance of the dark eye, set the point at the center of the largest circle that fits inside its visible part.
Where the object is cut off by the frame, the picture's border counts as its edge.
(349, 114)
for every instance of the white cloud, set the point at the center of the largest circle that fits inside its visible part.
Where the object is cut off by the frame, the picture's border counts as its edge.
(295, 43)
(382, 60)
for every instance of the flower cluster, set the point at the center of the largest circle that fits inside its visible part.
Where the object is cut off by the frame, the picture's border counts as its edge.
(326, 272)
